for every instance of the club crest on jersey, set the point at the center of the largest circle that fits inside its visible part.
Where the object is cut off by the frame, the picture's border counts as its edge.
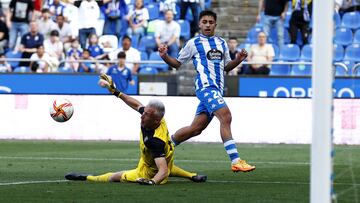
(214, 55)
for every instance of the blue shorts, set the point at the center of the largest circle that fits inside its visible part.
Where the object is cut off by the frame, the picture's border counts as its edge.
(210, 101)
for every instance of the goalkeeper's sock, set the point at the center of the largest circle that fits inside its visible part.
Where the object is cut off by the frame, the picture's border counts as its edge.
(173, 140)
(179, 172)
(100, 178)
(231, 150)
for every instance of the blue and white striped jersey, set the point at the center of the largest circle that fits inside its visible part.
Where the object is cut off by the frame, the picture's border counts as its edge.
(209, 55)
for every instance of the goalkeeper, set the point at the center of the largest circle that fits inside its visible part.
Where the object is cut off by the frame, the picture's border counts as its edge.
(156, 162)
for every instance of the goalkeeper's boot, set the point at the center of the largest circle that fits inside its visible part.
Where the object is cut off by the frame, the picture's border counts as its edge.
(199, 178)
(76, 176)
(242, 166)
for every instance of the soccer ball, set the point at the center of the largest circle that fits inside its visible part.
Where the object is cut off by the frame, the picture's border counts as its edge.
(61, 110)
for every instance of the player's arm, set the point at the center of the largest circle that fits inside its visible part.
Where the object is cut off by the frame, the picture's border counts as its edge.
(241, 56)
(168, 59)
(106, 81)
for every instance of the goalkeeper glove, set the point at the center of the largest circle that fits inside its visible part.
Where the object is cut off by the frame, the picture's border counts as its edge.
(106, 81)
(144, 181)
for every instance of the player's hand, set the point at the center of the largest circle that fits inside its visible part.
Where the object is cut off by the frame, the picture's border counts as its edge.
(106, 81)
(163, 48)
(144, 181)
(242, 55)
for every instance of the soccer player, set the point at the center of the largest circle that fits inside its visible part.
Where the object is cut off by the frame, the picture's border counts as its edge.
(156, 162)
(210, 55)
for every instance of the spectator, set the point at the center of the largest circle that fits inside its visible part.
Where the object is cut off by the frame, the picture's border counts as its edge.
(138, 20)
(64, 30)
(21, 11)
(4, 65)
(29, 42)
(56, 8)
(274, 16)
(261, 52)
(53, 46)
(114, 11)
(89, 13)
(120, 74)
(131, 53)
(94, 48)
(45, 23)
(86, 67)
(41, 61)
(300, 19)
(73, 54)
(193, 4)
(343, 6)
(4, 36)
(168, 32)
(233, 44)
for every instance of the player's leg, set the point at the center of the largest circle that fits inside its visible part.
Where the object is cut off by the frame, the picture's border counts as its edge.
(82, 177)
(179, 172)
(224, 116)
(200, 122)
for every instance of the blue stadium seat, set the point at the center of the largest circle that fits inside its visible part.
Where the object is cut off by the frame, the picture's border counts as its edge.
(280, 69)
(352, 53)
(337, 19)
(208, 4)
(12, 55)
(65, 70)
(144, 56)
(184, 29)
(340, 71)
(306, 52)
(338, 52)
(301, 70)
(134, 41)
(351, 20)
(343, 36)
(22, 69)
(252, 34)
(154, 56)
(153, 9)
(349, 65)
(147, 43)
(148, 70)
(276, 50)
(357, 37)
(290, 52)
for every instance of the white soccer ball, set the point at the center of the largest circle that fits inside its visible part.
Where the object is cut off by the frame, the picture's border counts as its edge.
(61, 110)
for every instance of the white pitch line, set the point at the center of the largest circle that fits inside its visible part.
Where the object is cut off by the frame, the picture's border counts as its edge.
(32, 182)
(178, 180)
(125, 159)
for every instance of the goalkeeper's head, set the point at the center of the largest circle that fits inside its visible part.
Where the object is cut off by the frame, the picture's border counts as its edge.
(153, 113)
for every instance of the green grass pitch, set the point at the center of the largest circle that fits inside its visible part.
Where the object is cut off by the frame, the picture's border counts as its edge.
(282, 174)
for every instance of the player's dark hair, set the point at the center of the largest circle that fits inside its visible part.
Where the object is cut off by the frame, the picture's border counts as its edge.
(45, 10)
(126, 37)
(233, 38)
(121, 54)
(208, 13)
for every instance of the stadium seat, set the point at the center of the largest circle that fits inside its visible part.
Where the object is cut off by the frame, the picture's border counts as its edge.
(349, 65)
(252, 34)
(337, 19)
(135, 41)
(338, 52)
(276, 50)
(153, 9)
(290, 52)
(351, 20)
(144, 56)
(22, 69)
(301, 70)
(147, 43)
(343, 36)
(207, 4)
(306, 52)
(154, 56)
(148, 70)
(112, 39)
(352, 53)
(65, 70)
(340, 71)
(13, 55)
(184, 29)
(280, 69)
(357, 37)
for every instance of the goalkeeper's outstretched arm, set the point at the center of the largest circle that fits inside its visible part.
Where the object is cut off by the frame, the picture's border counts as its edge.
(106, 81)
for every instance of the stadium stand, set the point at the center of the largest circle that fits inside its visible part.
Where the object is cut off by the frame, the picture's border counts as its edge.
(280, 70)
(357, 37)
(351, 20)
(343, 36)
(338, 52)
(290, 52)
(352, 53)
